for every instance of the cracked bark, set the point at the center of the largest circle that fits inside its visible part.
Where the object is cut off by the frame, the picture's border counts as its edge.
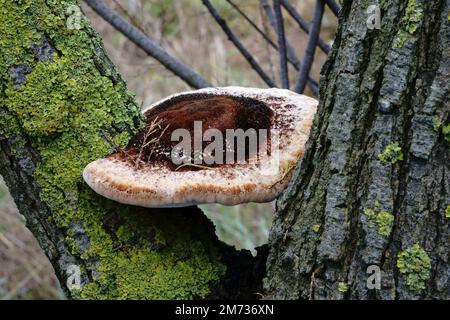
(375, 90)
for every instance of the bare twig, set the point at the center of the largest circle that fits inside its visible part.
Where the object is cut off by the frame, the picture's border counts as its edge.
(305, 26)
(292, 59)
(129, 16)
(6, 242)
(267, 8)
(111, 142)
(271, 16)
(237, 43)
(148, 45)
(310, 47)
(333, 6)
(254, 25)
(266, 28)
(284, 72)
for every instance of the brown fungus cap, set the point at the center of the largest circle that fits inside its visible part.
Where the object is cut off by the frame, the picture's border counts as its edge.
(145, 174)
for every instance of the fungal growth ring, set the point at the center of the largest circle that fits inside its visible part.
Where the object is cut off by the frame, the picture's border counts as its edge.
(227, 145)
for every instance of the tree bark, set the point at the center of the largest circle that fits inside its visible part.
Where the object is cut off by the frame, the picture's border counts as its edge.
(379, 150)
(62, 102)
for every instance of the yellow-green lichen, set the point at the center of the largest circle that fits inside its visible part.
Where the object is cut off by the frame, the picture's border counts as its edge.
(343, 287)
(315, 228)
(411, 22)
(63, 108)
(382, 220)
(447, 212)
(446, 132)
(371, 216)
(438, 124)
(391, 154)
(414, 265)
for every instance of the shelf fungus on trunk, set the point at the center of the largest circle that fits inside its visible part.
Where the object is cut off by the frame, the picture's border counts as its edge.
(227, 145)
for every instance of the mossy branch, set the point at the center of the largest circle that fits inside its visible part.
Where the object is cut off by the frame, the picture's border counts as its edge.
(60, 98)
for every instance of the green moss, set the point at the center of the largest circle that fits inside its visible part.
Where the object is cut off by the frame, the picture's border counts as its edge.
(391, 154)
(343, 287)
(382, 220)
(411, 22)
(414, 265)
(63, 108)
(447, 212)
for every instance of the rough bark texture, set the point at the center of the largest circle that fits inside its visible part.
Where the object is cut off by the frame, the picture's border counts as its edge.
(379, 150)
(62, 102)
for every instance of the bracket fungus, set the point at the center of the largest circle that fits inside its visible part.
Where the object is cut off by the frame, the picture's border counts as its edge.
(226, 145)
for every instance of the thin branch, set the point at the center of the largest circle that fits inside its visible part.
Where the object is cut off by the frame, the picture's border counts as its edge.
(310, 47)
(237, 43)
(334, 6)
(271, 16)
(292, 58)
(148, 45)
(284, 71)
(313, 85)
(254, 25)
(267, 29)
(129, 16)
(303, 24)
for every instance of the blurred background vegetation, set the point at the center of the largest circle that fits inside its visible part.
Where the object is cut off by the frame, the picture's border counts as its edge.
(186, 30)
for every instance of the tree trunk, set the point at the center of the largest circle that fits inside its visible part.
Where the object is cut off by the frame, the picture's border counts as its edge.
(62, 102)
(373, 188)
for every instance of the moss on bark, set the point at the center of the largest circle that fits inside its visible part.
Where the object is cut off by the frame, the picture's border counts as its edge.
(60, 96)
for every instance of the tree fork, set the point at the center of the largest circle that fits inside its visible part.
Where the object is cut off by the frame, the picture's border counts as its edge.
(62, 103)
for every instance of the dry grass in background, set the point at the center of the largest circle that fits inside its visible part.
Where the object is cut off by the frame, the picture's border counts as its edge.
(186, 30)
(25, 272)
